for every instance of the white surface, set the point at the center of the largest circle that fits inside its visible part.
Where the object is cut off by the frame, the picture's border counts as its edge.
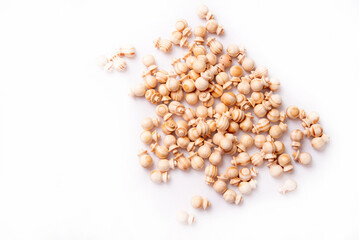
(69, 132)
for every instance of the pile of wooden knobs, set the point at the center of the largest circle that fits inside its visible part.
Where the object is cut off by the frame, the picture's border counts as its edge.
(199, 137)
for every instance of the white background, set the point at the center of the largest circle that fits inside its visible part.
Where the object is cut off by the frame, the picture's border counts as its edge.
(69, 133)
